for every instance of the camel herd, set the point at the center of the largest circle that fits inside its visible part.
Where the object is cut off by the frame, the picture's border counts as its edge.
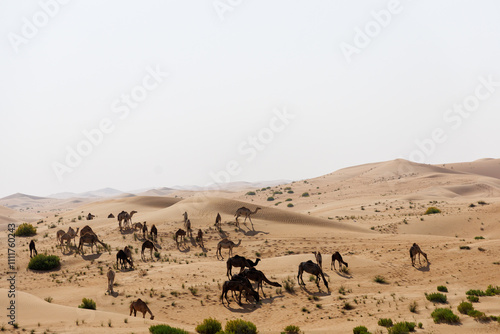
(238, 283)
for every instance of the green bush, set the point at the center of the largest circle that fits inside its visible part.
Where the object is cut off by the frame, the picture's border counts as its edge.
(291, 329)
(25, 230)
(360, 330)
(166, 329)
(290, 191)
(478, 293)
(270, 199)
(239, 326)
(442, 288)
(209, 326)
(44, 262)
(432, 210)
(88, 304)
(385, 322)
(465, 307)
(290, 205)
(444, 315)
(473, 299)
(436, 297)
(402, 328)
(379, 279)
(251, 193)
(306, 194)
(492, 290)
(477, 315)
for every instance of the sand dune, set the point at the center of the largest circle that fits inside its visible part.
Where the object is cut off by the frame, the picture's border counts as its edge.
(485, 167)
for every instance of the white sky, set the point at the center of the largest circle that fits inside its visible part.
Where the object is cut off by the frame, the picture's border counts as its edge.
(227, 76)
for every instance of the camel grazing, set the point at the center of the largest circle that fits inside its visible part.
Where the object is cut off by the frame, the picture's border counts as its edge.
(218, 221)
(140, 306)
(188, 229)
(111, 215)
(245, 212)
(33, 248)
(226, 243)
(144, 230)
(123, 258)
(126, 217)
(111, 279)
(90, 216)
(89, 238)
(239, 261)
(153, 233)
(128, 252)
(319, 259)
(311, 268)
(180, 233)
(151, 246)
(337, 257)
(137, 226)
(414, 250)
(259, 277)
(238, 283)
(199, 238)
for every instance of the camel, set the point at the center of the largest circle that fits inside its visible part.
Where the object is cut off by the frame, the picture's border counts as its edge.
(239, 261)
(319, 259)
(226, 243)
(128, 252)
(111, 279)
(259, 277)
(89, 238)
(414, 250)
(86, 230)
(111, 215)
(151, 246)
(337, 257)
(140, 306)
(59, 234)
(137, 226)
(245, 212)
(144, 230)
(90, 216)
(311, 268)
(185, 216)
(153, 233)
(180, 233)
(188, 229)
(33, 248)
(218, 221)
(72, 233)
(122, 256)
(126, 217)
(199, 238)
(66, 237)
(238, 283)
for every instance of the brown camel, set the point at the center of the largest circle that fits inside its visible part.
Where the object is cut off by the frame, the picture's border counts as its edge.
(153, 233)
(226, 243)
(239, 261)
(72, 233)
(66, 237)
(137, 226)
(319, 259)
(238, 283)
(124, 259)
(140, 306)
(89, 238)
(414, 250)
(188, 229)
(337, 257)
(245, 212)
(311, 268)
(218, 221)
(90, 216)
(111, 279)
(199, 238)
(180, 233)
(185, 216)
(126, 217)
(151, 246)
(259, 277)
(87, 229)
(111, 215)
(59, 234)
(144, 230)
(33, 248)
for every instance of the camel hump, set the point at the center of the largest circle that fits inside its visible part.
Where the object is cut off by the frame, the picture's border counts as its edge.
(309, 261)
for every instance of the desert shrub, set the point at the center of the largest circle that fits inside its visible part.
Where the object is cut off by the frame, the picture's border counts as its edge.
(465, 247)
(402, 328)
(482, 202)
(436, 297)
(251, 193)
(413, 307)
(480, 237)
(44, 262)
(492, 290)
(239, 326)
(291, 329)
(277, 192)
(306, 194)
(209, 326)
(270, 198)
(88, 304)
(289, 285)
(478, 293)
(290, 191)
(385, 322)
(166, 329)
(465, 307)
(473, 299)
(360, 330)
(477, 315)
(444, 315)
(442, 288)
(379, 279)
(472, 205)
(432, 210)
(25, 230)
(290, 205)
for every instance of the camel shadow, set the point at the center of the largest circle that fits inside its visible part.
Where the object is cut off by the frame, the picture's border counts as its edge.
(127, 231)
(244, 308)
(427, 267)
(253, 233)
(91, 256)
(113, 294)
(126, 270)
(343, 275)
(320, 293)
(222, 234)
(185, 248)
(270, 300)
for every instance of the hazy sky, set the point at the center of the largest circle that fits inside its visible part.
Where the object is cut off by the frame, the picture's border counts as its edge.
(135, 94)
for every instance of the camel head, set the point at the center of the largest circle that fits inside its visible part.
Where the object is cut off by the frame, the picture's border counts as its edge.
(132, 213)
(239, 243)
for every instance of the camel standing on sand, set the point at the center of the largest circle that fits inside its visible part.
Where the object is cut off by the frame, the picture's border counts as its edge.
(111, 215)
(319, 259)
(33, 248)
(89, 238)
(124, 259)
(140, 306)
(144, 230)
(239, 261)
(414, 250)
(59, 234)
(226, 243)
(72, 233)
(311, 268)
(126, 217)
(199, 238)
(188, 229)
(259, 277)
(185, 216)
(86, 230)
(238, 283)
(137, 226)
(180, 233)
(218, 221)
(66, 237)
(90, 216)
(153, 233)
(337, 257)
(111, 279)
(245, 212)
(151, 246)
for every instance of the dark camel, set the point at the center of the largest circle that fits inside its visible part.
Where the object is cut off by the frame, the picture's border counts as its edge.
(239, 284)
(144, 230)
(123, 258)
(180, 233)
(218, 221)
(33, 248)
(259, 277)
(89, 238)
(153, 233)
(414, 250)
(151, 246)
(337, 257)
(140, 306)
(199, 238)
(111, 215)
(313, 269)
(239, 261)
(90, 216)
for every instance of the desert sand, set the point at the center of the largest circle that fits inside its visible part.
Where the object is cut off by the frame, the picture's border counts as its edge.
(371, 214)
